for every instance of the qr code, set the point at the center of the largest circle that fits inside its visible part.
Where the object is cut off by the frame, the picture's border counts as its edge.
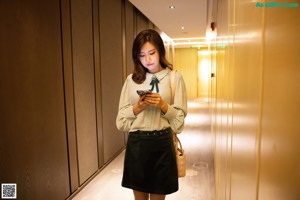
(9, 191)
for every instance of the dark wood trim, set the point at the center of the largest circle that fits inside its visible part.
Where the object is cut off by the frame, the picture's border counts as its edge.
(124, 57)
(69, 93)
(95, 174)
(98, 92)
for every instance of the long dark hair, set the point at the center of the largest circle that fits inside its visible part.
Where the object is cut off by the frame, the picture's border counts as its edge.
(149, 35)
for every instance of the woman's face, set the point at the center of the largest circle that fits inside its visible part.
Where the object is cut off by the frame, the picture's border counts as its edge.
(149, 57)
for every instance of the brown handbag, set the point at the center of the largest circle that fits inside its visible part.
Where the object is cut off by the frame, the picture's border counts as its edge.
(180, 154)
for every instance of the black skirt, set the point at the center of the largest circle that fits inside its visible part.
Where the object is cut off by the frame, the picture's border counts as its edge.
(150, 162)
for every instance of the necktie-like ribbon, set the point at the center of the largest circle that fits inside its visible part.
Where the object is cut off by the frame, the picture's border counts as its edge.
(154, 82)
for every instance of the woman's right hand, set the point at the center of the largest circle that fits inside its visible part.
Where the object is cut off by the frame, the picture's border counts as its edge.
(140, 105)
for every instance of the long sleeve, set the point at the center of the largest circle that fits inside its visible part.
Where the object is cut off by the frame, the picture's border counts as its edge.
(152, 117)
(125, 115)
(177, 112)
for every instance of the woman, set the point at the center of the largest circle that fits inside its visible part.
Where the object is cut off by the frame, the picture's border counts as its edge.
(150, 168)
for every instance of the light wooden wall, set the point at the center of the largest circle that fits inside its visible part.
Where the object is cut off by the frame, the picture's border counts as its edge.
(186, 62)
(255, 102)
(194, 65)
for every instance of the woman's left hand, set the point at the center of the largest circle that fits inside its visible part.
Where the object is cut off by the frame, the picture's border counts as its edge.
(155, 99)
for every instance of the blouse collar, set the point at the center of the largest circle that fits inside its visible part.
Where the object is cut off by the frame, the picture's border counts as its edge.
(160, 75)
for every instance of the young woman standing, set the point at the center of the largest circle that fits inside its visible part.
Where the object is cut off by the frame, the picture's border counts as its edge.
(150, 168)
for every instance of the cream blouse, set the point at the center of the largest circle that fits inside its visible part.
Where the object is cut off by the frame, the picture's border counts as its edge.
(152, 118)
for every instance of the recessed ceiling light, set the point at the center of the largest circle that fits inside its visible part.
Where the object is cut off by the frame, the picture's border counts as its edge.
(182, 27)
(172, 7)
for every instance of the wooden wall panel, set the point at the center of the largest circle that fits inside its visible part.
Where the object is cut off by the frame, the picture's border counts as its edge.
(69, 93)
(61, 65)
(111, 73)
(130, 31)
(246, 109)
(135, 22)
(280, 149)
(98, 92)
(186, 61)
(255, 119)
(238, 103)
(33, 146)
(84, 87)
(220, 101)
(142, 22)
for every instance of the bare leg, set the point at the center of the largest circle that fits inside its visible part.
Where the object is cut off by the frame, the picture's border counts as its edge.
(157, 197)
(140, 195)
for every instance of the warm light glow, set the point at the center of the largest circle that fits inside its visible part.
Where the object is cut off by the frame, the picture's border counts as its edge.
(195, 133)
(172, 7)
(193, 105)
(190, 43)
(203, 73)
(203, 53)
(166, 38)
(212, 39)
(196, 105)
(194, 118)
(203, 69)
(210, 35)
(195, 38)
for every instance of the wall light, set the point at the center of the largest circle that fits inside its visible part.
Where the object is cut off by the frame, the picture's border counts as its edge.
(210, 35)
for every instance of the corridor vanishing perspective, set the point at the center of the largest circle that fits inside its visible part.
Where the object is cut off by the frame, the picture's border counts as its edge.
(199, 182)
(63, 65)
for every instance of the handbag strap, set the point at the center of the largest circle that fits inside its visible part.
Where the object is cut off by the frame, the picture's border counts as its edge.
(173, 85)
(179, 149)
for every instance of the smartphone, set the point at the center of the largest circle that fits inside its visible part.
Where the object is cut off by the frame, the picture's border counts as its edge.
(143, 92)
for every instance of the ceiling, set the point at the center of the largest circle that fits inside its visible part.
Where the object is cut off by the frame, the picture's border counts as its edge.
(190, 14)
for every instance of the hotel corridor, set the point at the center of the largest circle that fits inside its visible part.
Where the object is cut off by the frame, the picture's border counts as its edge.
(199, 182)
(63, 64)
